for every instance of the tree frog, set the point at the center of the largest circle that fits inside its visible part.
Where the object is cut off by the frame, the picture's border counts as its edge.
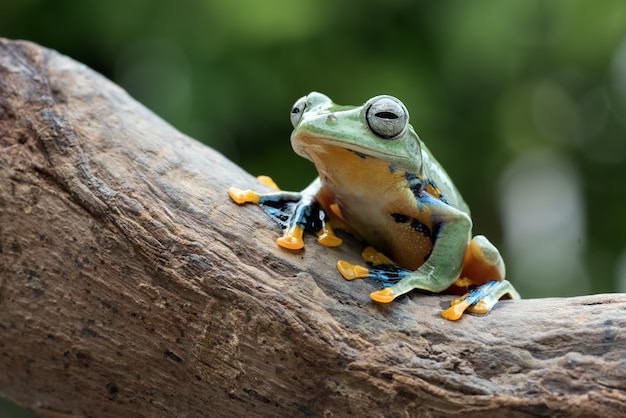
(378, 181)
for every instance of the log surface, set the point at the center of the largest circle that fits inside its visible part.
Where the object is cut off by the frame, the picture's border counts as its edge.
(130, 285)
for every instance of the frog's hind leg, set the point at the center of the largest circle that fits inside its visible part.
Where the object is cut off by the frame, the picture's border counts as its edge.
(481, 299)
(384, 270)
(482, 266)
(482, 263)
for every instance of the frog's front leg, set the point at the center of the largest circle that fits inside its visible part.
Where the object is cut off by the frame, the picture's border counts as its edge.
(444, 264)
(442, 267)
(481, 264)
(294, 212)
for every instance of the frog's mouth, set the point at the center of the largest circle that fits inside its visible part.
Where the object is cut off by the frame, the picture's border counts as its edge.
(305, 145)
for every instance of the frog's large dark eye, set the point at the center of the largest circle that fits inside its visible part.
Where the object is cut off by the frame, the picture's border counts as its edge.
(387, 117)
(297, 110)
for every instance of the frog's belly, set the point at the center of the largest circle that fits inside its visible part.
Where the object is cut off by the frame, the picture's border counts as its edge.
(403, 238)
(376, 203)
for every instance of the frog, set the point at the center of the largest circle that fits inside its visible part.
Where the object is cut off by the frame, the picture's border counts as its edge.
(379, 182)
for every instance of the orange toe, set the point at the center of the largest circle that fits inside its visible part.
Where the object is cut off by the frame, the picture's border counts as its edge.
(455, 311)
(383, 296)
(351, 271)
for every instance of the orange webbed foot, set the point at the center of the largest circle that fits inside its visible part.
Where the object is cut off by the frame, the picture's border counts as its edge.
(352, 271)
(243, 196)
(383, 296)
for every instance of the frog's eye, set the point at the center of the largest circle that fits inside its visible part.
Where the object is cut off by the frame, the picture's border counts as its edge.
(387, 117)
(297, 110)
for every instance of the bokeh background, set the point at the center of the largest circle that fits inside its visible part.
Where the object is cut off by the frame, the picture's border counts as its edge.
(523, 101)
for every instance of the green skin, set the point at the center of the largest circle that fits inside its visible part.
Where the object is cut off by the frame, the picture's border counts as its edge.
(386, 176)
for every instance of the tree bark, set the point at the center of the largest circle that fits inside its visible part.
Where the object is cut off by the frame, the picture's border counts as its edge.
(130, 285)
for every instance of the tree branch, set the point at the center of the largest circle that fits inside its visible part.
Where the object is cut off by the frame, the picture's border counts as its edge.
(130, 285)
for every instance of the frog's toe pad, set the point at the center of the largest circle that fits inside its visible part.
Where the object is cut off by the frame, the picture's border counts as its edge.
(329, 240)
(267, 180)
(383, 296)
(458, 306)
(352, 271)
(243, 196)
(481, 307)
(371, 255)
(291, 242)
(456, 309)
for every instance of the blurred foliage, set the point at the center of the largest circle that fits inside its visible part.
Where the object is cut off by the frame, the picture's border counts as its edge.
(523, 102)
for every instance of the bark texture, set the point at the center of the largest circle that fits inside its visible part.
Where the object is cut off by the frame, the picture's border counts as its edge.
(130, 285)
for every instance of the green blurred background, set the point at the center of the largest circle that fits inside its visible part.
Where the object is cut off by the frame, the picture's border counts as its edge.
(523, 102)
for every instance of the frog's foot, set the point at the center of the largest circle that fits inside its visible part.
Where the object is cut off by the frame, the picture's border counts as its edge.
(326, 236)
(385, 272)
(352, 271)
(293, 212)
(292, 238)
(383, 296)
(480, 300)
(249, 196)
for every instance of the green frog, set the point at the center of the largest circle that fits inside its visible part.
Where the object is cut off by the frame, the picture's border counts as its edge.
(378, 181)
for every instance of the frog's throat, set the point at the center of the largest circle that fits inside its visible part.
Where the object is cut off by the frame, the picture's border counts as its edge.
(301, 142)
(331, 142)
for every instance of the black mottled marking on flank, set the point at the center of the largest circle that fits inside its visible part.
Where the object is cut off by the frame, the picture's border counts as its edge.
(414, 223)
(400, 218)
(421, 228)
(360, 154)
(415, 184)
(392, 170)
(434, 186)
(427, 256)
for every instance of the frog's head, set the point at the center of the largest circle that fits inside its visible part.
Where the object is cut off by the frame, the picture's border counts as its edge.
(379, 128)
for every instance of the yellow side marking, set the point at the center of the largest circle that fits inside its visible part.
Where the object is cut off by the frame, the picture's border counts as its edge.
(336, 210)
(463, 282)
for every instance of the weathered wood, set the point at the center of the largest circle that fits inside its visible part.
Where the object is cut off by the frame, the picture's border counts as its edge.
(130, 285)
